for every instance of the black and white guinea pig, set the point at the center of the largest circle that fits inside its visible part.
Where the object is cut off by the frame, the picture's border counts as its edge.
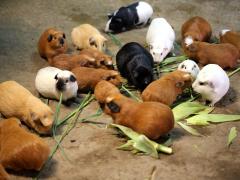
(137, 14)
(136, 64)
(50, 82)
(212, 83)
(189, 66)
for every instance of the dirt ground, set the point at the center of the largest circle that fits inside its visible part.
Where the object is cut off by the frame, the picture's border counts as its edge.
(91, 148)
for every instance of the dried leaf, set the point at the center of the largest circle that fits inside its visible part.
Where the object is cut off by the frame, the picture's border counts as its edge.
(189, 129)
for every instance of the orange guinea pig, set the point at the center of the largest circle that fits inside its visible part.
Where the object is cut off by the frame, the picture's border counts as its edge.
(152, 119)
(20, 149)
(225, 55)
(88, 78)
(167, 88)
(195, 29)
(232, 37)
(16, 101)
(51, 43)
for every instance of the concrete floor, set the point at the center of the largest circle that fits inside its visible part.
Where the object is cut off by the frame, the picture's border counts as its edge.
(93, 154)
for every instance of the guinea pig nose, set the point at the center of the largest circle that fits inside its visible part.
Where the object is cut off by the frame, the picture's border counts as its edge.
(61, 41)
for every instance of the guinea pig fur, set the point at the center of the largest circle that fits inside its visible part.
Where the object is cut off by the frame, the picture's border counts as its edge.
(195, 29)
(136, 64)
(232, 37)
(3, 174)
(212, 83)
(152, 119)
(50, 82)
(87, 78)
(160, 38)
(16, 101)
(51, 43)
(190, 67)
(135, 15)
(102, 60)
(20, 149)
(167, 88)
(87, 36)
(225, 55)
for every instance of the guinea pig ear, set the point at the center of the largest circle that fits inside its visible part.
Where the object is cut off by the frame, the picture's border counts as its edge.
(64, 36)
(56, 77)
(110, 15)
(92, 41)
(50, 36)
(72, 78)
(113, 107)
(179, 84)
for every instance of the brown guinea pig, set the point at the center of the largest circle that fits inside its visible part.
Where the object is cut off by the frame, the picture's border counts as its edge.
(225, 55)
(19, 148)
(51, 43)
(17, 101)
(232, 37)
(103, 60)
(3, 174)
(88, 78)
(195, 29)
(167, 88)
(152, 119)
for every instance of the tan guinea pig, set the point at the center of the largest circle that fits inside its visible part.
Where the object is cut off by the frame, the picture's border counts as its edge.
(86, 36)
(152, 119)
(167, 88)
(19, 148)
(88, 78)
(232, 37)
(51, 43)
(225, 55)
(16, 101)
(195, 29)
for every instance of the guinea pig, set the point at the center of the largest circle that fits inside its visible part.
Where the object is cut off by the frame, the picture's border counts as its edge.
(212, 83)
(135, 15)
(225, 55)
(190, 67)
(136, 64)
(3, 174)
(166, 89)
(87, 36)
(50, 82)
(87, 78)
(51, 43)
(160, 38)
(232, 37)
(152, 119)
(195, 29)
(16, 101)
(20, 149)
(102, 60)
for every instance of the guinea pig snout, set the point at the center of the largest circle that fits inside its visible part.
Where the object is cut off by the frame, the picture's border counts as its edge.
(60, 85)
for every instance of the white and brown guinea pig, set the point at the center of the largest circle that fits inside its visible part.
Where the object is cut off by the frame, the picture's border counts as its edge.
(225, 55)
(195, 29)
(20, 149)
(88, 78)
(17, 101)
(51, 43)
(50, 82)
(167, 88)
(232, 37)
(189, 66)
(87, 36)
(212, 83)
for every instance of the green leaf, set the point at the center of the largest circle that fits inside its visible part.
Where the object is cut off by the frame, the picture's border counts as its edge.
(233, 72)
(189, 129)
(186, 109)
(231, 136)
(127, 146)
(203, 119)
(170, 60)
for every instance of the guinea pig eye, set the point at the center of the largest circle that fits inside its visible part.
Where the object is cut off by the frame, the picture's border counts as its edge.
(201, 83)
(183, 66)
(96, 45)
(66, 81)
(150, 46)
(102, 62)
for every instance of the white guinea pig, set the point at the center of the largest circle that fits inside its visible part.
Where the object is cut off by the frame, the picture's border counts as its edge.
(212, 83)
(189, 66)
(50, 82)
(160, 38)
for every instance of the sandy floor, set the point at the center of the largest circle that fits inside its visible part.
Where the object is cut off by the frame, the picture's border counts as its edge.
(91, 148)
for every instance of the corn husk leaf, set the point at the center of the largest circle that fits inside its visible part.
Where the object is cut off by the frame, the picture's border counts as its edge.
(170, 60)
(233, 72)
(186, 109)
(204, 119)
(140, 143)
(189, 129)
(231, 136)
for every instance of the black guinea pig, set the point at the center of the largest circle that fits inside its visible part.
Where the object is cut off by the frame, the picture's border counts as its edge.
(135, 63)
(135, 15)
